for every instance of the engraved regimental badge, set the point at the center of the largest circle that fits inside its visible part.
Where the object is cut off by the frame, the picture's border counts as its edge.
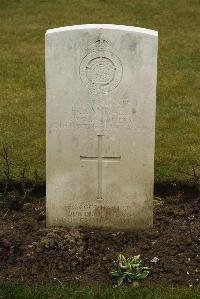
(101, 70)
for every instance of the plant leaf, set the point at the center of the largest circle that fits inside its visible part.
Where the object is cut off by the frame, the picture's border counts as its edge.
(115, 274)
(143, 275)
(137, 259)
(133, 276)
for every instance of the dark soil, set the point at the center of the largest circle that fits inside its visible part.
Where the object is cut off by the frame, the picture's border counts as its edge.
(31, 253)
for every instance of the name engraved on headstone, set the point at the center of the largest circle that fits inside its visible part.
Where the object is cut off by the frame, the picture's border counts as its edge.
(99, 116)
(103, 115)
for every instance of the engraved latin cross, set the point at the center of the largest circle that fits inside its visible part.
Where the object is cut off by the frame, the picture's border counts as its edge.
(100, 159)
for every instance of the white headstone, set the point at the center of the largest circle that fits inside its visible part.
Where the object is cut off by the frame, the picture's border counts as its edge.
(101, 101)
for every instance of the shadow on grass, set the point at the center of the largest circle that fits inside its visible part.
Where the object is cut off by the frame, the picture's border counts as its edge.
(162, 189)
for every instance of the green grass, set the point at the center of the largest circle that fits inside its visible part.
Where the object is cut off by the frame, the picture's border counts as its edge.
(72, 292)
(22, 101)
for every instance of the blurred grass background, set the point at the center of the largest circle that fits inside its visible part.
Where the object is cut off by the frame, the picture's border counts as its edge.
(54, 291)
(22, 102)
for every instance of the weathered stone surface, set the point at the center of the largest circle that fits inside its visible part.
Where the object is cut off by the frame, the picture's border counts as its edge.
(101, 101)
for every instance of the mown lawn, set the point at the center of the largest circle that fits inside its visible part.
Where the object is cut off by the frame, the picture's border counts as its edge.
(22, 101)
(72, 292)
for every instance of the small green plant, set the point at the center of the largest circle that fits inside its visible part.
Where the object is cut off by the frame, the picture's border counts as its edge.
(129, 270)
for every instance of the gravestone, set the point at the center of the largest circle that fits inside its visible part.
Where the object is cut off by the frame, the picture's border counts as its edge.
(101, 101)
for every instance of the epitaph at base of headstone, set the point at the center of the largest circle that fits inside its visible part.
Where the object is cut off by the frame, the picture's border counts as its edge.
(101, 102)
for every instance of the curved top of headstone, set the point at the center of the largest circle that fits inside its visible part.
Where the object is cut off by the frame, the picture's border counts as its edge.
(104, 26)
